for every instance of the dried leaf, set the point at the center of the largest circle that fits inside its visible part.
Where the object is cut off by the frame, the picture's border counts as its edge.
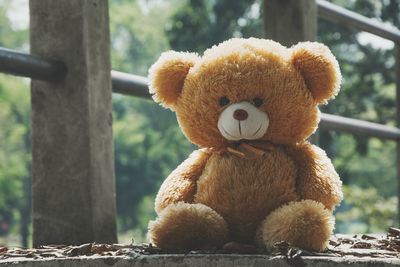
(368, 237)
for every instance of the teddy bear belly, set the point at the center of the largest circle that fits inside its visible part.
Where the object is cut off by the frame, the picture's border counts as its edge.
(245, 191)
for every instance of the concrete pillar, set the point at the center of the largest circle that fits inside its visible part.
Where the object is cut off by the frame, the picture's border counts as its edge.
(72, 159)
(290, 21)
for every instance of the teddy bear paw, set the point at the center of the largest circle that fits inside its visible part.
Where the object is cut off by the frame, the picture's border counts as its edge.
(188, 226)
(305, 224)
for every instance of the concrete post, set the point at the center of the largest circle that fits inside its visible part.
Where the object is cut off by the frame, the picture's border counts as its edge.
(289, 22)
(73, 165)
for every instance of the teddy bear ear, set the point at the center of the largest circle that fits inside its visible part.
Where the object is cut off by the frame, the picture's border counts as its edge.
(167, 75)
(319, 68)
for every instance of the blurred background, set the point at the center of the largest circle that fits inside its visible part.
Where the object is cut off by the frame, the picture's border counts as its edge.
(148, 141)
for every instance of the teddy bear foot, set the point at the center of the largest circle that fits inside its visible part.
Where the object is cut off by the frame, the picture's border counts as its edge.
(188, 226)
(305, 224)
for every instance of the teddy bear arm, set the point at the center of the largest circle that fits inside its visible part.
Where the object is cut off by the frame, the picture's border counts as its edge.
(180, 185)
(316, 178)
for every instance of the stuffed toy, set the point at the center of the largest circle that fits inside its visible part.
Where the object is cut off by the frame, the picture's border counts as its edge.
(250, 105)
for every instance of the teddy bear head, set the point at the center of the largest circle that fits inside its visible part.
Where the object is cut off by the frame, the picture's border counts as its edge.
(246, 89)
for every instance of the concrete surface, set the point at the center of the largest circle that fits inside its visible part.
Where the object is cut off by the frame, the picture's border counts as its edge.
(72, 156)
(202, 261)
(290, 21)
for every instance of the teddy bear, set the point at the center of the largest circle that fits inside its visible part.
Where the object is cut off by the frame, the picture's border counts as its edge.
(249, 105)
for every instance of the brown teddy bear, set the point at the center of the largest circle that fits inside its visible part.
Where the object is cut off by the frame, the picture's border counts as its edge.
(250, 105)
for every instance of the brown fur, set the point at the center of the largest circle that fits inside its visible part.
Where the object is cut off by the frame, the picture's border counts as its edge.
(169, 74)
(317, 178)
(289, 192)
(237, 189)
(194, 226)
(319, 69)
(306, 224)
(181, 184)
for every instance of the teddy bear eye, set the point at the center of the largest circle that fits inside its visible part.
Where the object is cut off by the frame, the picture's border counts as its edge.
(257, 102)
(223, 101)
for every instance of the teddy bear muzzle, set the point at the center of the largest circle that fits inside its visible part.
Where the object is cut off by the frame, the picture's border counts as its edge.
(243, 121)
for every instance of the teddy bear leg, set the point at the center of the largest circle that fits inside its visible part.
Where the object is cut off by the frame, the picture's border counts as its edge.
(306, 224)
(188, 226)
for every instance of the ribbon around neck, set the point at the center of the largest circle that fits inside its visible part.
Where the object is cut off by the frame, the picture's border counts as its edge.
(247, 149)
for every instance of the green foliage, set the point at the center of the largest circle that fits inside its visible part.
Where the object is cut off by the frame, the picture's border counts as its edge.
(148, 144)
(15, 156)
(372, 168)
(368, 93)
(15, 145)
(137, 34)
(11, 35)
(198, 24)
(366, 210)
(148, 141)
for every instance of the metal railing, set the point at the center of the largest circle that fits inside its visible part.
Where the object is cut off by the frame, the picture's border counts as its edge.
(31, 66)
(20, 64)
(348, 18)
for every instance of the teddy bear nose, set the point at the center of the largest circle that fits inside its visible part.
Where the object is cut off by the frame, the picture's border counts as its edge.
(240, 114)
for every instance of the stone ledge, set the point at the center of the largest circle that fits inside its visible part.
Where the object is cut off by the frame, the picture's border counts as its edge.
(200, 260)
(343, 250)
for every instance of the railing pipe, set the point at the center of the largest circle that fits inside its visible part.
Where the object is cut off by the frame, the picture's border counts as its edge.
(358, 127)
(129, 84)
(349, 18)
(21, 64)
(134, 85)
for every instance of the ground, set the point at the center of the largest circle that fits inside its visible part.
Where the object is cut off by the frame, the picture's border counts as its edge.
(358, 250)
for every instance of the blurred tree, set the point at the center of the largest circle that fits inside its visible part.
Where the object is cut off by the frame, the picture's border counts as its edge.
(367, 211)
(198, 25)
(15, 157)
(11, 35)
(368, 93)
(145, 153)
(137, 36)
(148, 142)
(15, 146)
